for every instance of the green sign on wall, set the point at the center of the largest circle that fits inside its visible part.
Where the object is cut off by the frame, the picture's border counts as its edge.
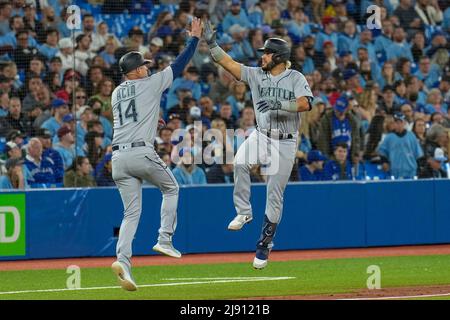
(12, 225)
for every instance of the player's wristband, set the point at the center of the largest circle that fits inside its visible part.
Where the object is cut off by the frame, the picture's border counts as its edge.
(217, 53)
(289, 105)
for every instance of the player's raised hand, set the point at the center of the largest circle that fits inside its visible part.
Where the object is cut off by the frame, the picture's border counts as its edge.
(209, 34)
(196, 28)
(266, 105)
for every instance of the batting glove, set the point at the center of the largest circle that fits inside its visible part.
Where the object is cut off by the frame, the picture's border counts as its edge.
(266, 105)
(210, 35)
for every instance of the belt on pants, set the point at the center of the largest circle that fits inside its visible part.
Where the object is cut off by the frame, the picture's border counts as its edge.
(278, 135)
(124, 146)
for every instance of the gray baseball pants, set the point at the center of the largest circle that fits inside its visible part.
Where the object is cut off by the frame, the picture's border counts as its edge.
(277, 158)
(129, 168)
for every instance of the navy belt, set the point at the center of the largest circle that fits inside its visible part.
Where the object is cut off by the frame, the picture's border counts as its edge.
(128, 145)
(279, 135)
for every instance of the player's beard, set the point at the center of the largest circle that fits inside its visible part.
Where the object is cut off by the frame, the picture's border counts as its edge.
(269, 66)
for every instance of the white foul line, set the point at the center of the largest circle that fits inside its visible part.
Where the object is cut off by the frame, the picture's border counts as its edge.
(403, 297)
(224, 280)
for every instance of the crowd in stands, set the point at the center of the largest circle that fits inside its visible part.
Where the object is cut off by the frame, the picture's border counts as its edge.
(382, 89)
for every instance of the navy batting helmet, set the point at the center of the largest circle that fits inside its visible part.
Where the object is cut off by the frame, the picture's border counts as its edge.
(279, 48)
(132, 60)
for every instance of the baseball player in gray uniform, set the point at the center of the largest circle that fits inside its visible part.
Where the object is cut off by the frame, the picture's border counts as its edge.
(135, 105)
(278, 94)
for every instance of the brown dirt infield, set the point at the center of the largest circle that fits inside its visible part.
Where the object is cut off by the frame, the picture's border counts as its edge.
(214, 258)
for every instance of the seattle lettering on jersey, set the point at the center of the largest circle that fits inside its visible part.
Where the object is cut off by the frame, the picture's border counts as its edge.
(278, 93)
(126, 92)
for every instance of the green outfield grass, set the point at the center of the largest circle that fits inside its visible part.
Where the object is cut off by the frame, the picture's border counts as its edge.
(301, 278)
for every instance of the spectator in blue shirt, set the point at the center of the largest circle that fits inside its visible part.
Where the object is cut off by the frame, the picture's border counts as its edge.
(241, 50)
(313, 170)
(66, 147)
(220, 173)
(365, 41)
(328, 34)
(340, 167)
(50, 48)
(401, 150)
(347, 38)
(384, 40)
(188, 82)
(187, 172)
(54, 157)
(400, 47)
(236, 15)
(60, 109)
(14, 177)
(428, 73)
(40, 167)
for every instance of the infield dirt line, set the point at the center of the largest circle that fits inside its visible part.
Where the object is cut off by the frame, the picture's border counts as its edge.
(249, 279)
(402, 297)
(214, 258)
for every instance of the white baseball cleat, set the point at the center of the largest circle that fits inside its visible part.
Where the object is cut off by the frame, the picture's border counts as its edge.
(259, 264)
(238, 222)
(124, 277)
(167, 249)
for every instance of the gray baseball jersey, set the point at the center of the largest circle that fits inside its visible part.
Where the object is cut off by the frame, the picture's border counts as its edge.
(288, 85)
(135, 106)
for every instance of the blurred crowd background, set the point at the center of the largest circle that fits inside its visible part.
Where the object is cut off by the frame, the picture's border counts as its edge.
(381, 86)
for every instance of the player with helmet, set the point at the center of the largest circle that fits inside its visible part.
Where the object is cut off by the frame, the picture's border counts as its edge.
(279, 95)
(135, 106)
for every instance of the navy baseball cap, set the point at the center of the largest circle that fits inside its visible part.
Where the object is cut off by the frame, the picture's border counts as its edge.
(349, 73)
(344, 53)
(12, 162)
(315, 155)
(68, 118)
(58, 103)
(341, 104)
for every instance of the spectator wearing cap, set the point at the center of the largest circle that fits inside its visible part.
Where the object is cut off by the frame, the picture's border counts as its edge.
(155, 48)
(80, 174)
(339, 125)
(352, 81)
(136, 40)
(14, 177)
(439, 49)
(434, 166)
(69, 122)
(66, 146)
(400, 150)
(428, 72)
(65, 53)
(241, 49)
(12, 150)
(16, 136)
(339, 167)
(41, 169)
(399, 47)
(174, 121)
(60, 109)
(236, 15)
(347, 38)
(329, 55)
(313, 169)
(436, 137)
(328, 33)
(187, 172)
(103, 172)
(50, 48)
(51, 154)
(365, 41)
(429, 12)
(388, 104)
(189, 82)
(70, 84)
